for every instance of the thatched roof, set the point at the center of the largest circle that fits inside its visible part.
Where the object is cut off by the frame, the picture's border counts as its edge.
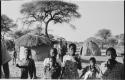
(30, 40)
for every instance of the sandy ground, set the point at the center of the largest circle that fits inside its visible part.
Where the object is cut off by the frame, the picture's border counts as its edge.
(15, 71)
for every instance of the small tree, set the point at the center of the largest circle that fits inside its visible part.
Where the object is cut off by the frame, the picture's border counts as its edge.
(104, 34)
(47, 11)
(6, 25)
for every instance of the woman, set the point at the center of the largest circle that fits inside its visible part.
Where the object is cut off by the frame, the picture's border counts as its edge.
(71, 63)
(27, 66)
(52, 69)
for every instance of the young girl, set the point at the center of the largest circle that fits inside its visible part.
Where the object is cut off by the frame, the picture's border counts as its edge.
(71, 63)
(52, 69)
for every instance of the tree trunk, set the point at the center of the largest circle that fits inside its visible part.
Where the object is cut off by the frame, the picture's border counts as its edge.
(46, 33)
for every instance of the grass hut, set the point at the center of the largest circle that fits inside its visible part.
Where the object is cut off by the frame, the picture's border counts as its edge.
(90, 48)
(40, 46)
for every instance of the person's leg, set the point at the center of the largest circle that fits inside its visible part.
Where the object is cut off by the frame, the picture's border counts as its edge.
(14, 60)
(31, 75)
(6, 70)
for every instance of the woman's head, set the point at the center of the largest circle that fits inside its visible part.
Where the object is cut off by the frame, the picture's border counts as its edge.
(53, 52)
(111, 53)
(72, 49)
(92, 61)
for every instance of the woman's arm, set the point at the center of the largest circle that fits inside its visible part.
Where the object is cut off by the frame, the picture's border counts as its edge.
(84, 71)
(21, 66)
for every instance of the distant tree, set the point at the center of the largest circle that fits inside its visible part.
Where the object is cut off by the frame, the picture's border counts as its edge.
(6, 25)
(47, 11)
(120, 39)
(112, 42)
(10, 44)
(104, 34)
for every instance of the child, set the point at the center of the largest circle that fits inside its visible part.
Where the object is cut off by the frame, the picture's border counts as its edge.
(71, 64)
(91, 71)
(52, 69)
(27, 66)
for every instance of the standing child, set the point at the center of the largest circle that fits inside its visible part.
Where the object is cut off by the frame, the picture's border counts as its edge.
(27, 66)
(71, 64)
(92, 71)
(52, 69)
(14, 56)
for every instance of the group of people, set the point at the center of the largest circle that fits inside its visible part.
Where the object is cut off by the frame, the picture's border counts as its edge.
(68, 66)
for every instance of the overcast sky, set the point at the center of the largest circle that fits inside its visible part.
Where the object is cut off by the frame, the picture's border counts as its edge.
(96, 15)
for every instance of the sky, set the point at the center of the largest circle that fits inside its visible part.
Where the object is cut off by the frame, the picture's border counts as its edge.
(95, 15)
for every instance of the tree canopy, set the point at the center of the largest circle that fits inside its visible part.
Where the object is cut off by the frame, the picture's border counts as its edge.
(47, 10)
(104, 33)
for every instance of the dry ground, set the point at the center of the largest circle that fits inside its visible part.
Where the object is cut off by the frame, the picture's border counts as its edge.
(15, 71)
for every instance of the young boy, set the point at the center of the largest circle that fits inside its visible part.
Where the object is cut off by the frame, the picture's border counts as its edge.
(27, 66)
(91, 71)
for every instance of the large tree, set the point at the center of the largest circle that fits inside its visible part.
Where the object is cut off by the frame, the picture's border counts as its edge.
(6, 25)
(104, 34)
(47, 11)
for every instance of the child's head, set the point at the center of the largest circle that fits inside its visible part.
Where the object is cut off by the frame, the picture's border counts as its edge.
(111, 53)
(92, 61)
(53, 52)
(72, 49)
